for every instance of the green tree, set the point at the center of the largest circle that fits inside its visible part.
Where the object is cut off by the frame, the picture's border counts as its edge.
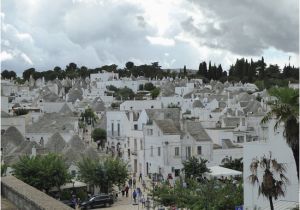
(269, 186)
(149, 86)
(112, 88)
(8, 74)
(27, 73)
(3, 169)
(193, 168)
(99, 134)
(42, 172)
(103, 173)
(19, 112)
(88, 171)
(116, 170)
(184, 71)
(129, 65)
(211, 194)
(234, 164)
(155, 92)
(125, 94)
(286, 110)
(88, 117)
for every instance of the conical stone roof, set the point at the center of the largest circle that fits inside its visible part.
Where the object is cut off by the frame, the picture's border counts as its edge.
(65, 109)
(71, 156)
(91, 153)
(56, 143)
(11, 139)
(76, 143)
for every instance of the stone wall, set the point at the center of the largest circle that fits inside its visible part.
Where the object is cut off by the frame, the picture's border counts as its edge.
(26, 197)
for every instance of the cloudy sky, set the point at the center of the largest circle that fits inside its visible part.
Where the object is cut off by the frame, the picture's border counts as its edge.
(48, 33)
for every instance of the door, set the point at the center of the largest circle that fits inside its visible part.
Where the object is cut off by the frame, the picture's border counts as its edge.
(135, 165)
(147, 168)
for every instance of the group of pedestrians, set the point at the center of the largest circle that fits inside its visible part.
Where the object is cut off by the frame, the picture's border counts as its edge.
(138, 196)
(137, 193)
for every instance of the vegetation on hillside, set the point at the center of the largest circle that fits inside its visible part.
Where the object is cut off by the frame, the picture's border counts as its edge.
(247, 71)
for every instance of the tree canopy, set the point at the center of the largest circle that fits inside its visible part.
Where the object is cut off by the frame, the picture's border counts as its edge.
(103, 173)
(285, 109)
(99, 134)
(211, 194)
(193, 168)
(8, 74)
(247, 71)
(43, 171)
(234, 164)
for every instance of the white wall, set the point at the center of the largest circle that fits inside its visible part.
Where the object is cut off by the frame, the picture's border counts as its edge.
(218, 134)
(140, 105)
(283, 154)
(4, 104)
(105, 76)
(175, 100)
(167, 158)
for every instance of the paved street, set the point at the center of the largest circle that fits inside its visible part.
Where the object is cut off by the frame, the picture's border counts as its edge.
(126, 203)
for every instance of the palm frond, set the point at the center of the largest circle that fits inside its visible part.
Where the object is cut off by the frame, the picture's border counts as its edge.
(253, 179)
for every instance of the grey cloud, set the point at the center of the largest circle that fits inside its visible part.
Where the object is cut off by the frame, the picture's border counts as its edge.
(247, 27)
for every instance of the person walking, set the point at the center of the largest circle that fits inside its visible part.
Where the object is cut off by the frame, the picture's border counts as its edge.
(98, 144)
(144, 185)
(126, 190)
(139, 192)
(143, 200)
(134, 183)
(123, 191)
(134, 194)
(130, 183)
(140, 177)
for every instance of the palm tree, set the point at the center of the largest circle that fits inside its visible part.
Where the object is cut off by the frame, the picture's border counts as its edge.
(269, 186)
(88, 117)
(286, 110)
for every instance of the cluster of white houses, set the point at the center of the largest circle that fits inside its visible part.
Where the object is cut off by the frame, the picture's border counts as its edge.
(188, 119)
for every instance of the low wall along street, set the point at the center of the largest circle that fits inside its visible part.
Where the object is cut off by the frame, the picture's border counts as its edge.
(26, 197)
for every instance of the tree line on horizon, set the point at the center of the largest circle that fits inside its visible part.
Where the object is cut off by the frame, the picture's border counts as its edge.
(243, 70)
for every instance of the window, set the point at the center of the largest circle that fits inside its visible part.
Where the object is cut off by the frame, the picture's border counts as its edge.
(112, 129)
(141, 143)
(151, 151)
(149, 132)
(176, 151)
(158, 133)
(118, 129)
(135, 127)
(158, 151)
(240, 139)
(73, 173)
(199, 150)
(177, 172)
(188, 152)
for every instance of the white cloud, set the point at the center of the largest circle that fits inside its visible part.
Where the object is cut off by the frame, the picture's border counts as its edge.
(97, 32)
(24, 37)
(161, 41)
(5, 56)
